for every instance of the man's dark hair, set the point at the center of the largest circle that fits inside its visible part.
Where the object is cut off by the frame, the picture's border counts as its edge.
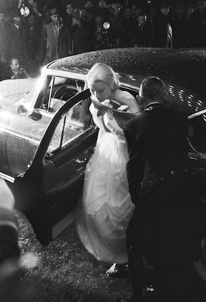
(153, 88)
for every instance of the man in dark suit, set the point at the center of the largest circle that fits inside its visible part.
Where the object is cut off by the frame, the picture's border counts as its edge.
(16, 45)
(164, 227)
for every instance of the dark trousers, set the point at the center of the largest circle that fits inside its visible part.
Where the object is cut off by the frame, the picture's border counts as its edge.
(135, 261)
(165, 231)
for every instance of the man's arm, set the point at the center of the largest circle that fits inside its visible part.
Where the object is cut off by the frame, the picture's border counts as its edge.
(135, 164)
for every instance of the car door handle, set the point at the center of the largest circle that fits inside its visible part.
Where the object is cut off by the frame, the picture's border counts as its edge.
(85, 158)
(82, 161)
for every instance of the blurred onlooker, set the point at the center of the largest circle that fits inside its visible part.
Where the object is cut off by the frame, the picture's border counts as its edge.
(68, 16)
(3, 38)
(17, 71)
(180, 30)
(138, 11)
(127, 34)
(97, 40)
(133, 9)
(73, 39)
(49, 40)
(34, 9)
(89, 15)
(189, 11)
(197, 26)
(89, 24)
(46, 17)
(88, 4)
(16, 45)
(3, 45)
(143, 32)
(18, 4)
(162, 28)
(65, 43)
(83, 13)
(102, 9)
(24, 9)
(79, 34)
(153, 13)
(116, 23)
(32, 36)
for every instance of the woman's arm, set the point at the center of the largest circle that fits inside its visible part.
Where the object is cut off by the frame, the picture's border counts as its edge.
(126, 98)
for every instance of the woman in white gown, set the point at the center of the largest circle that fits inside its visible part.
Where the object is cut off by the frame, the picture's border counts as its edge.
(106, 207)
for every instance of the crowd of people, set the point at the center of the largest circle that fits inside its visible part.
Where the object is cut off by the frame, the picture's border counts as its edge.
(36, 34)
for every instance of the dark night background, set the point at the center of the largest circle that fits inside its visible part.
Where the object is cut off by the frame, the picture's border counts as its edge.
(6, 5)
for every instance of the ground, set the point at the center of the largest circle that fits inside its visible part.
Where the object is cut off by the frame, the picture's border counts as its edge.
(65, 271)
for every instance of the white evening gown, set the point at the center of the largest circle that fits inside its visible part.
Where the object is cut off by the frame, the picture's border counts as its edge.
(106, 207)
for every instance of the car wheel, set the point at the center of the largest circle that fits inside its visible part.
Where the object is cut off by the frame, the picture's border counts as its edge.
(200, 264)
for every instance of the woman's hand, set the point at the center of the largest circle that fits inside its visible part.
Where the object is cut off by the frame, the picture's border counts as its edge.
(124, 108)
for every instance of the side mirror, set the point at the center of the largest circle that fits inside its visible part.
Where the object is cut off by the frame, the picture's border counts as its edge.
(22, 110)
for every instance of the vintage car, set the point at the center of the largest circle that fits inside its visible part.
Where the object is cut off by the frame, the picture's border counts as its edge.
(48, 136)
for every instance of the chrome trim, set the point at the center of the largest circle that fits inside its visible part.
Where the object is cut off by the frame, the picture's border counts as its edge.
(64, 73)
(196, 155)
(201, 112)
(27, 138)
(7, 177)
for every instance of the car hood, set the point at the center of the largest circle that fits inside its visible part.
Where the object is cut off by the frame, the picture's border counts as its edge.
(12, 91)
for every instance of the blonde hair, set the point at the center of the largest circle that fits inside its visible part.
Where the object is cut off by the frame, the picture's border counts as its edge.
(104, 73)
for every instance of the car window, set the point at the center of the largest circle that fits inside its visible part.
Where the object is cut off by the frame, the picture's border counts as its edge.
(71, 125)
(56, 91)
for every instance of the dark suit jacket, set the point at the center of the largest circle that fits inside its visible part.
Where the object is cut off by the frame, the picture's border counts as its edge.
(160, 185)
(157, 144)
(16, 45)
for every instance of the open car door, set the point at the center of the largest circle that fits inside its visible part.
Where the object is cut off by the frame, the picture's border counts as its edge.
(54, 181)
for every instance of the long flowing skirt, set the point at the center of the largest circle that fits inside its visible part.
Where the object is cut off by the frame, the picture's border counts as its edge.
(106, 207)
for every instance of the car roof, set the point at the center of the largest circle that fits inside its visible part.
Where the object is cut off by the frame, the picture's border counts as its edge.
(184, 68)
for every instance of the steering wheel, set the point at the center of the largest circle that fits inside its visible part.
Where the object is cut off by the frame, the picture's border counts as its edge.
(65, 90)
